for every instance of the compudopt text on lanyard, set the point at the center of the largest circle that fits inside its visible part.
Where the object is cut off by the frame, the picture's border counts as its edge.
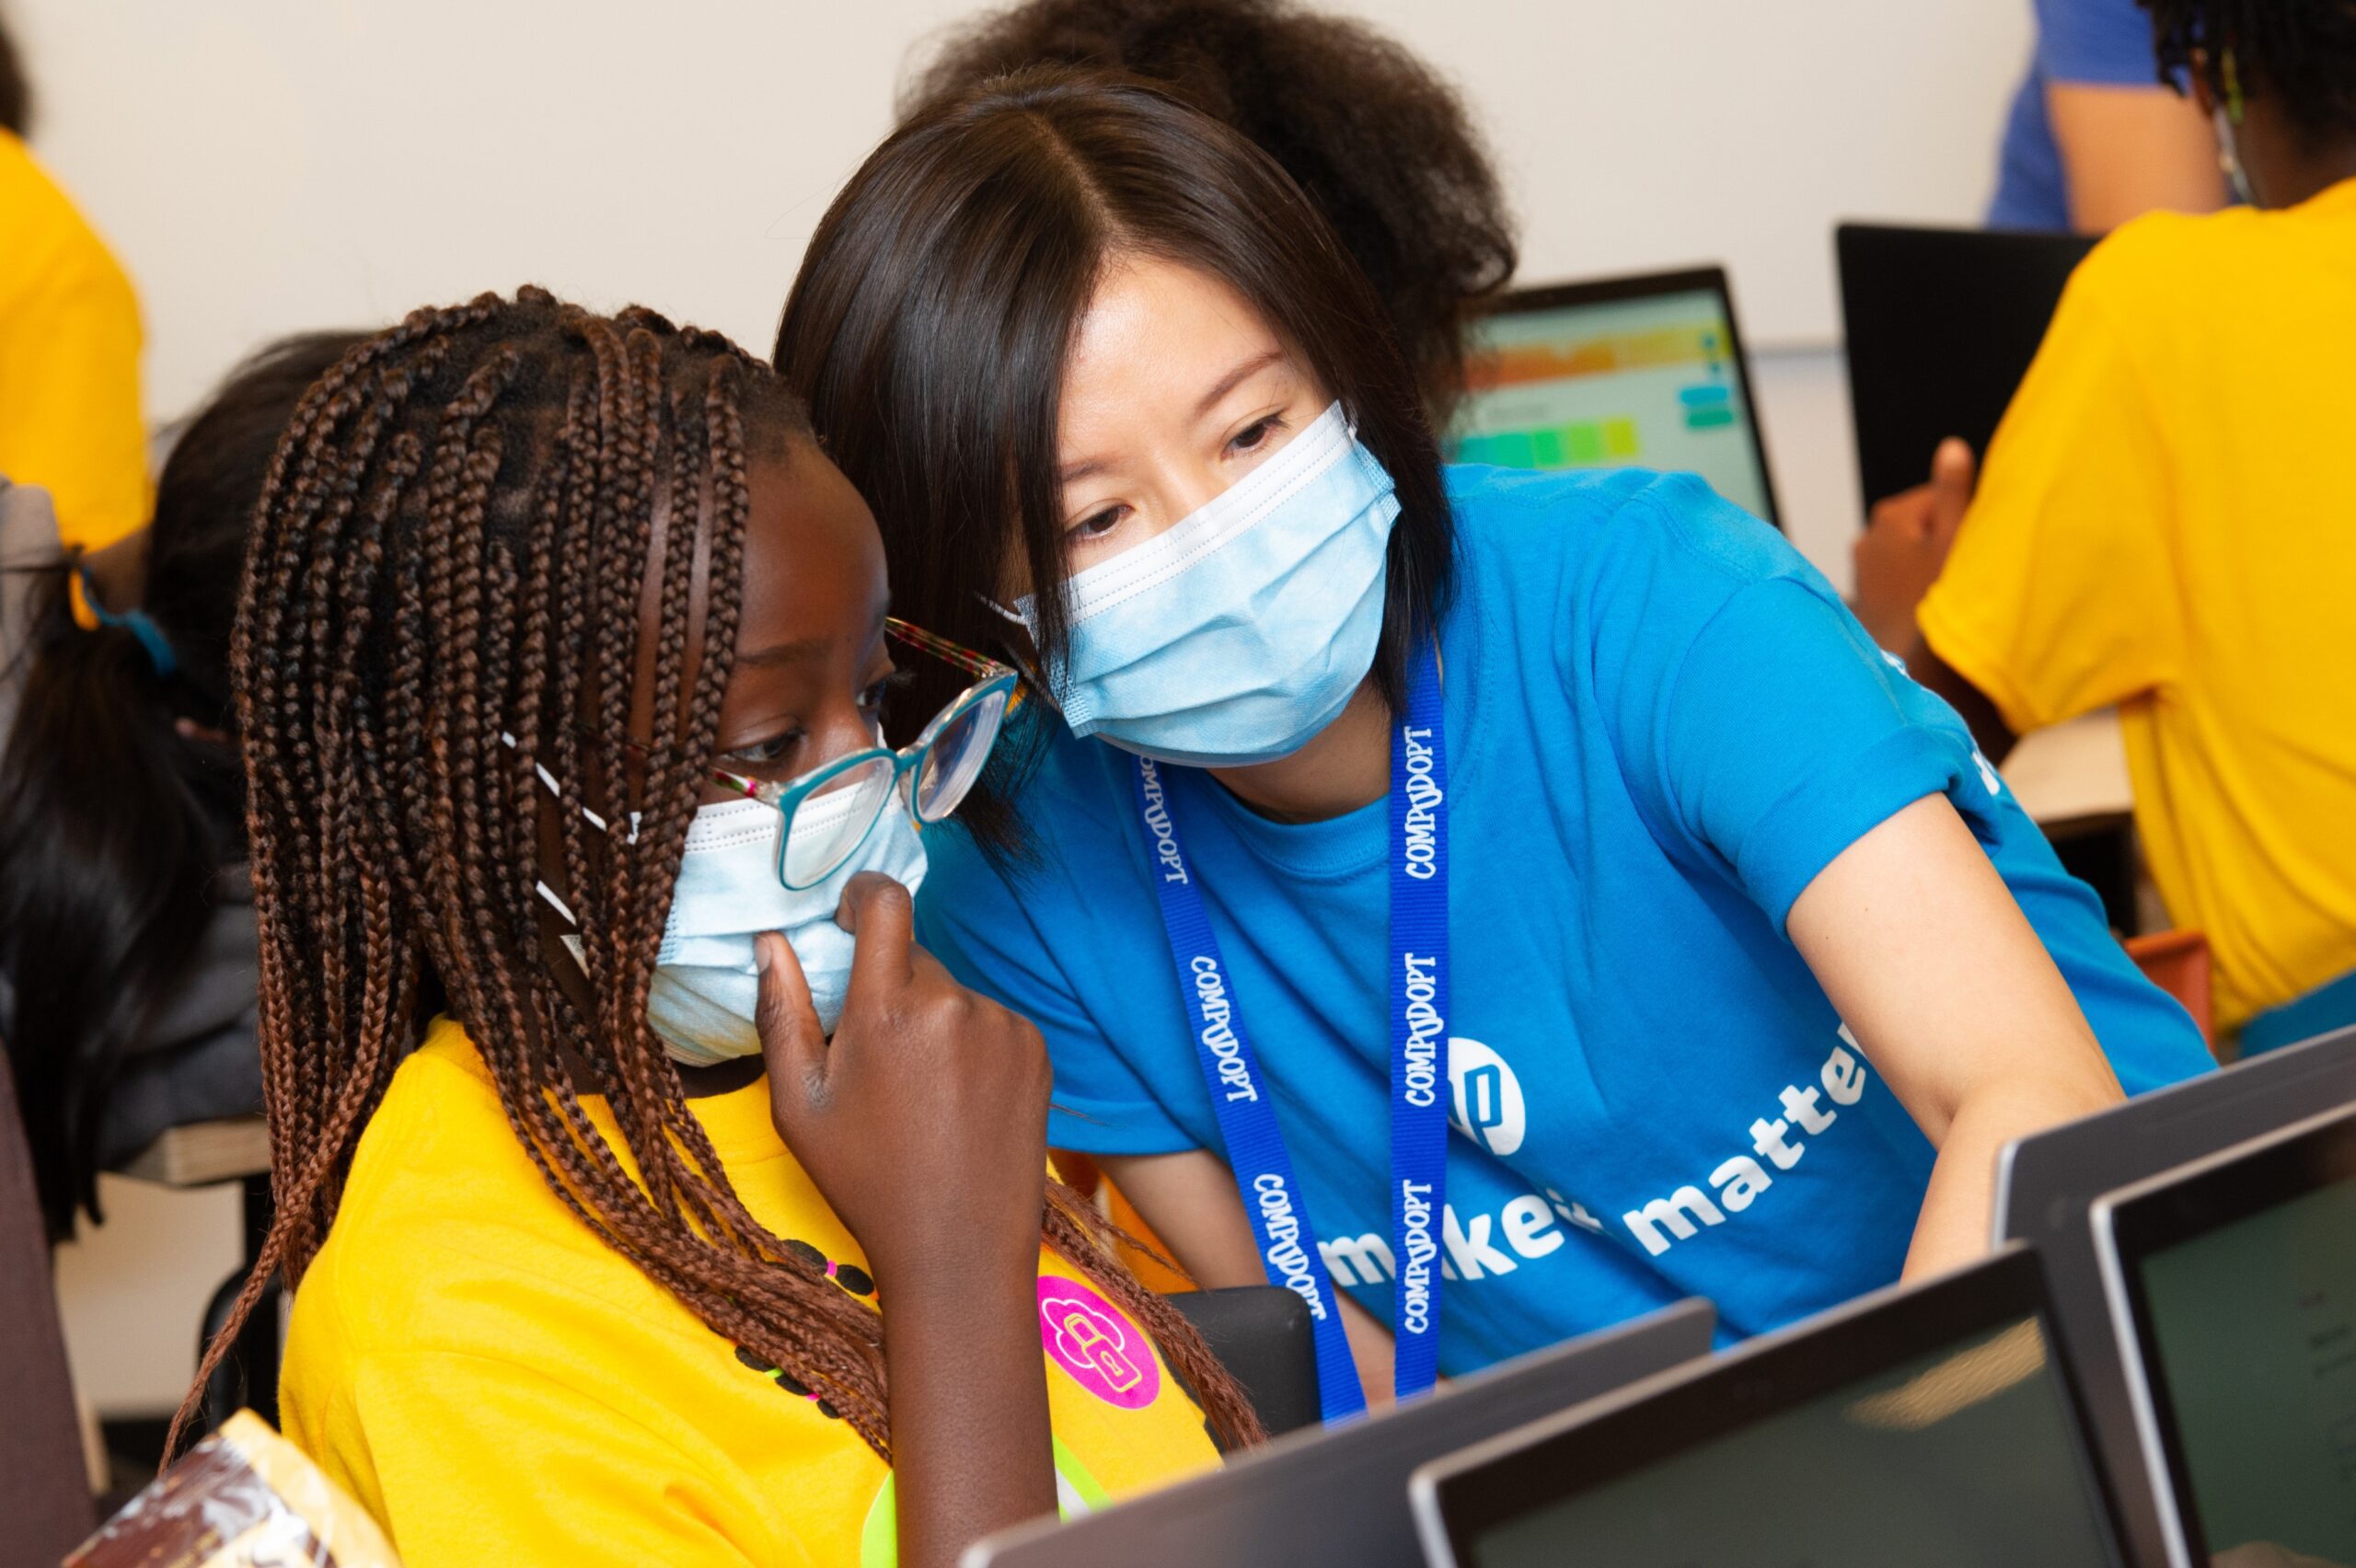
(1241, 1093)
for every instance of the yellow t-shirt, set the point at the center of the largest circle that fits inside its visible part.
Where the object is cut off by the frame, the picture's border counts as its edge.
(2167, 522)
(496, 1385)
(69, 360)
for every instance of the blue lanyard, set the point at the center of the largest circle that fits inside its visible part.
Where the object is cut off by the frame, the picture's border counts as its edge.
(1242, 1098)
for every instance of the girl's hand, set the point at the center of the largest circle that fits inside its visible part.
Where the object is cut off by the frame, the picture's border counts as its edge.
(924, 1122)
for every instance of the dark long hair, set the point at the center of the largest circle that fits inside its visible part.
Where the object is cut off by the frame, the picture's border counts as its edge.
(113, 826)
(1370, 133)
(450, 552)
(928, 327)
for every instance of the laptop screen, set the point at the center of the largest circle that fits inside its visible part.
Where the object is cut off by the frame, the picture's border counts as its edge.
(2253, 1325)
(1963, 1457)
(1595, 377)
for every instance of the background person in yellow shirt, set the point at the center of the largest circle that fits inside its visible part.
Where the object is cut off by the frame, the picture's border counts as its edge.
(538, 599)
(2165, 522)
(69, 346)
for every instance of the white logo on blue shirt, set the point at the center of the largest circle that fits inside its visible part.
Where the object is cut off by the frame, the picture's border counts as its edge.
(1488, 1107)
(1988, 774)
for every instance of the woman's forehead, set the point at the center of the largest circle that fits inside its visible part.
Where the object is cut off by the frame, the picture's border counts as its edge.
(1158, 336)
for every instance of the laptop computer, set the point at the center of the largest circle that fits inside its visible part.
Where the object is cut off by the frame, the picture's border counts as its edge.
(1263, 1335)
(1637, 372)
(2046, 1185)
(2233, 1285)
(1339, 1495)
(1929, 1425)
(1940, 326)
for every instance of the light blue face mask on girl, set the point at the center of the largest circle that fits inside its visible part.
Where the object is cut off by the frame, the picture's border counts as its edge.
(1235, 636)
(707, 986)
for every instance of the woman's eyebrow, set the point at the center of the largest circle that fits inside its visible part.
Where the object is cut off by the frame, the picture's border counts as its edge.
(1236, 377)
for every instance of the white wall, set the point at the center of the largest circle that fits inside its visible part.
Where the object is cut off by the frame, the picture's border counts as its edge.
(265, 165)
(269, 165)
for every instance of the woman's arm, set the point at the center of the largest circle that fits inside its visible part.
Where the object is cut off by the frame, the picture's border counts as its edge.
(924, 1124)
(1190, 1201)
(1936, 972)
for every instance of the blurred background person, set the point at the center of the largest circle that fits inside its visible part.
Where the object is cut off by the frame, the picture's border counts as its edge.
(2094, 137)
(126, 921)
(69, 344)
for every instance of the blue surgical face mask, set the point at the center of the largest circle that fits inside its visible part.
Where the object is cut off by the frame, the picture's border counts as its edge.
(706, 985)
(1238, 634)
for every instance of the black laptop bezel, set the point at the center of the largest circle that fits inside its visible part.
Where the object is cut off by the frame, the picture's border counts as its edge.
(1984, 253)
(2237, 1185)
(2047, 1186)
(1646, 285)
(1508, 1479)
(1312, 1462)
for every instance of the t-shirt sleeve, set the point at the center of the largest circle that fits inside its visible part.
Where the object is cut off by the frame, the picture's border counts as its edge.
(1782, 737)
(469, 1459)
(2104, 42)
(70, 419)
(2060, 596)
(970, 916)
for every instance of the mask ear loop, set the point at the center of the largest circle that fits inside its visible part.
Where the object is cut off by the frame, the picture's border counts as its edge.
(2228, 118)
(1022, 667)
(549, 895)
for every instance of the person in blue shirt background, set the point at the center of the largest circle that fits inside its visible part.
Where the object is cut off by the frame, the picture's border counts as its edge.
(2093, 138)
(1752, 963)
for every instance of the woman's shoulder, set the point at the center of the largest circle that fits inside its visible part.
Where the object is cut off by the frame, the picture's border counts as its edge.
(1073, 799)
(1589, 541)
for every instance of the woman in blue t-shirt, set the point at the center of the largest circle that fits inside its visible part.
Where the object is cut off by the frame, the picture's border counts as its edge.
(1570, 810)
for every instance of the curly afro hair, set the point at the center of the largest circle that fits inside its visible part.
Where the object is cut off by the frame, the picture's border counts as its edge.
(1374, 136)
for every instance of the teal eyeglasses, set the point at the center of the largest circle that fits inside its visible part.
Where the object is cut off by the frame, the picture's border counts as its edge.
(829, 811)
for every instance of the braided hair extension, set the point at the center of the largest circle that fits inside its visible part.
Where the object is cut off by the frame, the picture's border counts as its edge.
(457, 533)
(2300, 53)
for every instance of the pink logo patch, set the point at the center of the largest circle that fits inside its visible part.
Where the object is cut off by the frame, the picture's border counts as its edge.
(1105, 1352)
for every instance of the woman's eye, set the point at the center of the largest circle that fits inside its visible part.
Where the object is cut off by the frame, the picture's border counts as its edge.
(1253, 436)
(1096, 526)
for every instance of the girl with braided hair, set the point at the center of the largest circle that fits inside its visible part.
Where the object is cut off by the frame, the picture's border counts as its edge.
(561, 661)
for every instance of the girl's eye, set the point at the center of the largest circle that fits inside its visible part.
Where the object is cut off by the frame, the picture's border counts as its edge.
(873, 699)
(1097, 525)
(1253, 436)
(768, 753)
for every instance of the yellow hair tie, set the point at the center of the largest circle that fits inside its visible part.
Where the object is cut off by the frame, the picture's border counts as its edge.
(78, 598)
(91, 615)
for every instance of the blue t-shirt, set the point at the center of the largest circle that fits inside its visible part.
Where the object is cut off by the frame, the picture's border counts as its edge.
(2104, 42)
(1661, 724)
